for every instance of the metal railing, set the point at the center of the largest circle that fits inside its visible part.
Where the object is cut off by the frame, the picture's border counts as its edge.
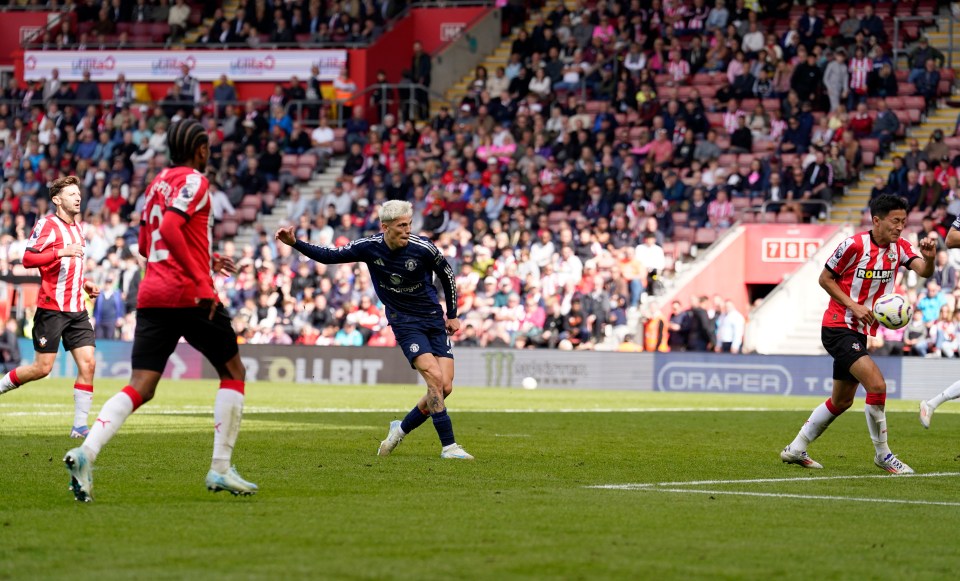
(899, 53)
(405, 103)
(824, 203)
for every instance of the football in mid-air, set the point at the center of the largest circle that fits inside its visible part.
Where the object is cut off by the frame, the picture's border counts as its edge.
(892, 311)
(529, 383)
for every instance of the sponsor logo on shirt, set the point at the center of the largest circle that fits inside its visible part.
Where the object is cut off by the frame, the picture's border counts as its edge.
(882, 275)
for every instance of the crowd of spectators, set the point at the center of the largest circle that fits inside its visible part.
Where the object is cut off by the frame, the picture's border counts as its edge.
(121, 24)
(559, 215)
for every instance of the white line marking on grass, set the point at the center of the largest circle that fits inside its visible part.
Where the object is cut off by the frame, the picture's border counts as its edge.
(189, 410)
(512, 436)
(636, 486)
(801, 496)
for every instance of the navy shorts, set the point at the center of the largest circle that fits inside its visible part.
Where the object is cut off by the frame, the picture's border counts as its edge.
(419, 335)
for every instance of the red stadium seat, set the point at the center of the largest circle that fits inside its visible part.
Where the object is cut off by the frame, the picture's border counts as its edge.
(787, 218)
(303, 173)
(705, 236)
(249, 214)
(683, 233)
(229, 228)
(308, 160)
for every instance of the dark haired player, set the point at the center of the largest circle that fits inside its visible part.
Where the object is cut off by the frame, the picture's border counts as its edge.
(176, 299)
(862, 269)
(56, 248)
(402, 266)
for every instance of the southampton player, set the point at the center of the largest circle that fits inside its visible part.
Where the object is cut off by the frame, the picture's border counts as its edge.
(953, 392)
(863, 268)
(176, 299)
(402, 266)
(56, 248)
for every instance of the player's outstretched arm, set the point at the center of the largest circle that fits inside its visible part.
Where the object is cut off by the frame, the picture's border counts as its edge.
(928, 250)
(349, 253)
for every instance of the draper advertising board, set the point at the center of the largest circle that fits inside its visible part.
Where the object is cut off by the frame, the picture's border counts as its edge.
(164, 66)
(757, 374)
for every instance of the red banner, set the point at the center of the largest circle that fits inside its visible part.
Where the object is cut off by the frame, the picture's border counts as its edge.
(777, 250)
(18, 27)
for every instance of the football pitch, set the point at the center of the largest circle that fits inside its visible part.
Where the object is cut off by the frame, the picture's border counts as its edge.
(566, 485)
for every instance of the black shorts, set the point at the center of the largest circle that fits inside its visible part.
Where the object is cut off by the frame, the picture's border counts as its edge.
(845, 346)
(419, 335)
(49, 326)
(159, 330)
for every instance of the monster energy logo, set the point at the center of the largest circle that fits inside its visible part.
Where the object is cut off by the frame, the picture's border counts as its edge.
(499, 368)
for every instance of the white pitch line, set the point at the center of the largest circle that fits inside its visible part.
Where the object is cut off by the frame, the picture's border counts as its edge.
(326, 410)
(801, 496)
(648, 485)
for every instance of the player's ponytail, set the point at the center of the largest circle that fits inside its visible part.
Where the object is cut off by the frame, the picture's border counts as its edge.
(183, 139)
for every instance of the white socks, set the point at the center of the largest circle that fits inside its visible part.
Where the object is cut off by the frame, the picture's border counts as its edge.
(9, 382)
(822, 416)
(877, 422)
(952, 392)
(112, 415)
(82, 400)
(227, 411)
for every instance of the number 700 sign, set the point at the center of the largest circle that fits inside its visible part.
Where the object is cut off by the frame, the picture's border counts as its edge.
(790, 249)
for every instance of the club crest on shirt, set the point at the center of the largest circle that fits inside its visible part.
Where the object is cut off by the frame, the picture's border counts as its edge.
(414, 348)
(411, 264)
(395, 279)
(891, 254)
(42, 341)
(856, 346)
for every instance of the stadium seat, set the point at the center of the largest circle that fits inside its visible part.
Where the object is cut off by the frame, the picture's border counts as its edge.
(304, 173)
(230, 226)
(705, 236)
(683, 233)
(787, 218)
(307, 160)
(248, 214)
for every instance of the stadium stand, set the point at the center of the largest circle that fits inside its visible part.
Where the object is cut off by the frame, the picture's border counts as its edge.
(609, 143)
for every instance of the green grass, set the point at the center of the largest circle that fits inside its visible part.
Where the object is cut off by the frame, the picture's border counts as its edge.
(330, 509)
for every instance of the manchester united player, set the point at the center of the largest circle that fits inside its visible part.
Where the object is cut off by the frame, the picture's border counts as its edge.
(176, 299)
(56, 248)
(863, 268)
(927, 407)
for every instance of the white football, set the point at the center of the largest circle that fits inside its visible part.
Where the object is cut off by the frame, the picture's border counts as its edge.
(529, 383)
(892, 311)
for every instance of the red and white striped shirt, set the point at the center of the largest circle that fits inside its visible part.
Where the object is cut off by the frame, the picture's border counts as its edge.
(777, 127)
(678, 70)
(859, 69)
(865, 271)
(61, 287)
(730, 122)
